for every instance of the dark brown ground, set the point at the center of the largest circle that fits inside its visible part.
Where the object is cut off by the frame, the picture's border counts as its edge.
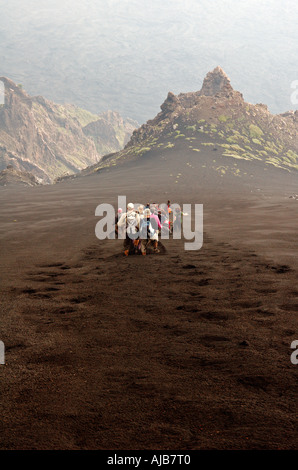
(183, 350)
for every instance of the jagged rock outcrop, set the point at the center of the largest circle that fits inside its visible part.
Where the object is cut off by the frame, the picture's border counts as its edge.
(216, 116)
(12, 177)
(216, 82)
(216, 86)
(51, 140)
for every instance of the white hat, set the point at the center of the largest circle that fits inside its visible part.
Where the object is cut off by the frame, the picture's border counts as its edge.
(130, 206)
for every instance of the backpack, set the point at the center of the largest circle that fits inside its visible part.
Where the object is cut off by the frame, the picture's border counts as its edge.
(146, 228)
(132, 224)
(131, 218)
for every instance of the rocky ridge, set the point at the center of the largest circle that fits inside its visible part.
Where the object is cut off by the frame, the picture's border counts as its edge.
(51, 140)
(219, 117)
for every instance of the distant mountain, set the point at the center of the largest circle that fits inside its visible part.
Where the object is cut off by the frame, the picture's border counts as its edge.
(126, 54)
(51, 140)
(229, 137)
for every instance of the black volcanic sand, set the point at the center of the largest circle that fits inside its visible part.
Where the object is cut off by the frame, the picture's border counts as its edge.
(181, 350)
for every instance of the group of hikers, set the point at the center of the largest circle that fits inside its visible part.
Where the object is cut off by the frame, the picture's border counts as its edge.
(141, 226)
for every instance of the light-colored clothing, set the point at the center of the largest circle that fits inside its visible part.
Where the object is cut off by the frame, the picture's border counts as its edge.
(127, 215)
(129, 220)
(147, 231)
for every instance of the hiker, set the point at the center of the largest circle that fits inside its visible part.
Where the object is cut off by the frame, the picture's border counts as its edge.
(130, 221)
(163, 215)
(155, 222)
(141, 211)
(119, 213)
(117, 218)
(165, 223)
(148, 235)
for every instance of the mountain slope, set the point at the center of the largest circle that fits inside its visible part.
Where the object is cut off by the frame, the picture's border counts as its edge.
(50, 140)
(219, 131)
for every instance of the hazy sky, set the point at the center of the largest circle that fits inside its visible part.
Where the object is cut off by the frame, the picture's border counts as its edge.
(127, 54)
